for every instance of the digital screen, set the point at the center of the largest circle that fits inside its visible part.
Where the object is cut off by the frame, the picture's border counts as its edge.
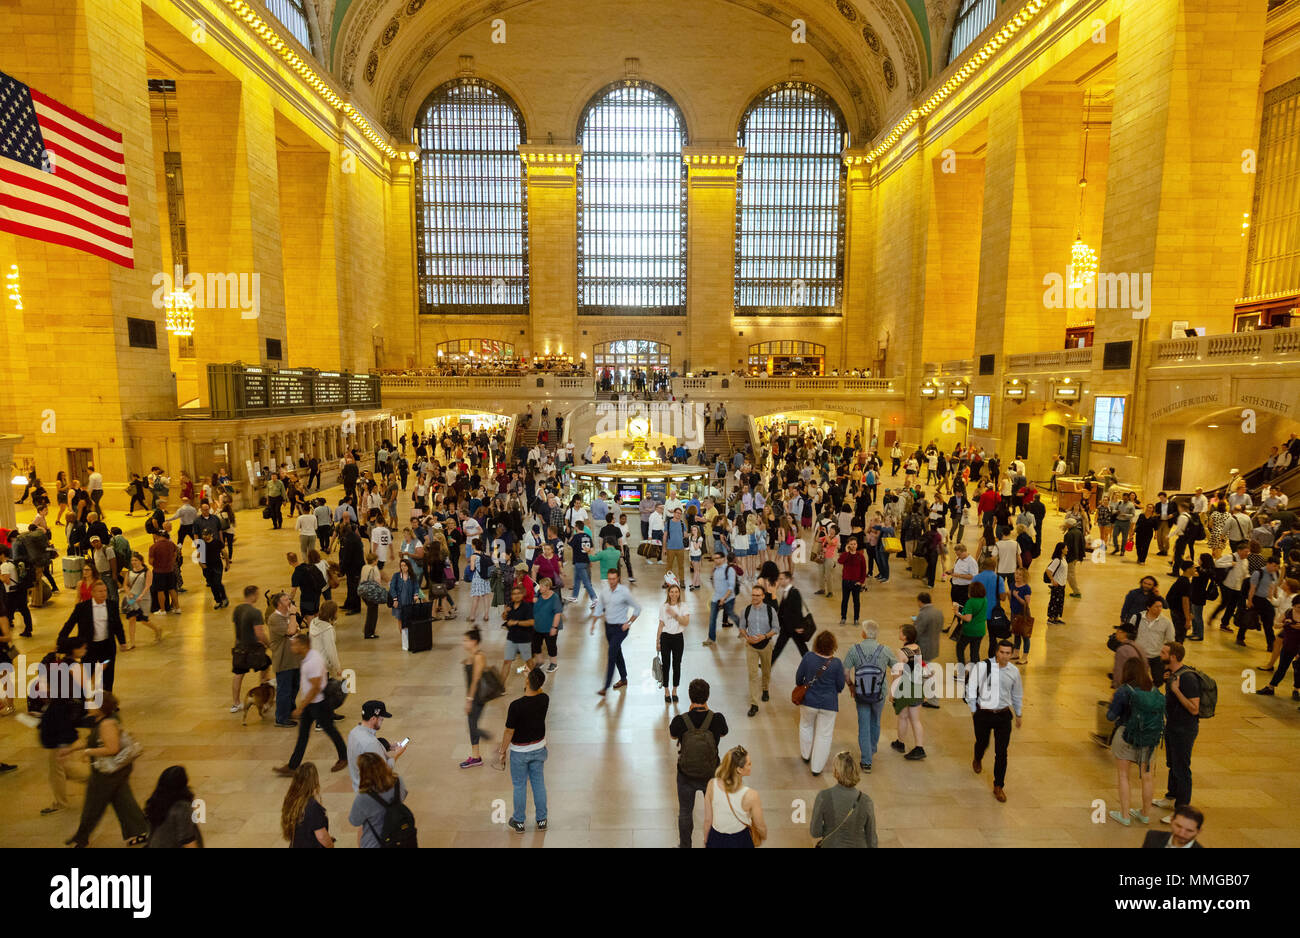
(981, 414)
(1108, 420)
(657, 490)
(630, 494)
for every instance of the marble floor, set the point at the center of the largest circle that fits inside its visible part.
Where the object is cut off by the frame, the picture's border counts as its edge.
(610, 774)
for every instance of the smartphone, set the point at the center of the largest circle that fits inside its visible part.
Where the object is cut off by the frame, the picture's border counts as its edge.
(406, 742)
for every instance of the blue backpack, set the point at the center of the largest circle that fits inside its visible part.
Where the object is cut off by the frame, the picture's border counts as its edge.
(869, 679)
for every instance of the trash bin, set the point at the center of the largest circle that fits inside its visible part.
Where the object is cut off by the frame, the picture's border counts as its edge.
(72, 572)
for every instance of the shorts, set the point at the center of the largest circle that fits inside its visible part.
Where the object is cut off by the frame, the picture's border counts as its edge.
(1122, 749)
(164, 582)
(518, 649)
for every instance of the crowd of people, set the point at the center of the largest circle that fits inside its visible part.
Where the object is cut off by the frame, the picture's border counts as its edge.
(498, 522)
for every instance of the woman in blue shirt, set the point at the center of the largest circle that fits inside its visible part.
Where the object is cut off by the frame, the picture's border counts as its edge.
(823, 676)
(403, 592)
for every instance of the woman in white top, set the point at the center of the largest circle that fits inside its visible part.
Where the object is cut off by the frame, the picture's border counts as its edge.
(733, 814)
(697, 555)
(306, 527)
(136, 602)
(670, 640)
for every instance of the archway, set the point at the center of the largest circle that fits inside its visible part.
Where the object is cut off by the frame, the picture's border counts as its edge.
(618, 365)
(787, 357)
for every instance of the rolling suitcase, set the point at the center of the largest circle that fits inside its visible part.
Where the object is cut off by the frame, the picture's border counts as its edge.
(419, 627)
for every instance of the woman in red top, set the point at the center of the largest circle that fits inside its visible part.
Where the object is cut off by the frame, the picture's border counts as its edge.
(853, 573)
(547, 563)
(88, 578)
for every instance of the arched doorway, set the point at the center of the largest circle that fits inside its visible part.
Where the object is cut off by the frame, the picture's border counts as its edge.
(461, 350)
(621, 365)
(788, 357)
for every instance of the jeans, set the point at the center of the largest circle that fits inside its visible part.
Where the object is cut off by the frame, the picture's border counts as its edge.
(1178, 756)
(525, 768)
(212, 573)
(1198, 621)
(868, 728)
(999, 724)
(686, 789)
(614, 634)
(321, 715)
(286, 691)
(882, 561)
(728, 615)
(671, 655)
(850, 588)
(582, 577)
(1284, 660)
(1119, 536)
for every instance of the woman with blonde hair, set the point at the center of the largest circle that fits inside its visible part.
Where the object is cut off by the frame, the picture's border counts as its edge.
(843, 816)
(303, 822)
(733, 813)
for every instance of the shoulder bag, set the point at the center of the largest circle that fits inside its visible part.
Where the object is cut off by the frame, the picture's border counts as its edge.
(758, 841)
(856, 801)
(800, 690)
(128, 750)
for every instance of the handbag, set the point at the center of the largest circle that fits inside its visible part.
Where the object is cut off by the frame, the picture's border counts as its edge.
(657, 668)
(128, 750)
(892, 545)
(1022, 625)
(749, 827)
(373, 592)
(856, 802)
(955, 633)
(489, 686)
(334, 694)
(801, 690)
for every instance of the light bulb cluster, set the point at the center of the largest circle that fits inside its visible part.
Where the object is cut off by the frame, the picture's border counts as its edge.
(13, 288)
(1083, 265)
(268, 35)
(180, 313)
(955, 81)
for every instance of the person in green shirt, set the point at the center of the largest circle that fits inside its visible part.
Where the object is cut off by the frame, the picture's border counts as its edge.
(973, 622)
(608, 557)
(548, 619)
(274, 500)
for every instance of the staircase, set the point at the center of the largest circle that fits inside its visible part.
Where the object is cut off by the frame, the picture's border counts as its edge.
(724, 442)
(527, 438)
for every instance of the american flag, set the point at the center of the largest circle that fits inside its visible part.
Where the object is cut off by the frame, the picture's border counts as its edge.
(62, 176)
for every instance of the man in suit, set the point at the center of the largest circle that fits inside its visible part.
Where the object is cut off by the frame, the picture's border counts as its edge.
(1183, 830)
(98, 622)
(789, 612)
(1166, 515)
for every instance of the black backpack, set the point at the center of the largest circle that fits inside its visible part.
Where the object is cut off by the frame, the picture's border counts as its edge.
(399, 822)
(698, 758)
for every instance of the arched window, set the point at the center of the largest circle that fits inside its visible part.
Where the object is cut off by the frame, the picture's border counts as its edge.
(294, 18)
(787, 357)
(454, 350)
(972, 19)
(790, 204)
(470, 216)
(631, 204)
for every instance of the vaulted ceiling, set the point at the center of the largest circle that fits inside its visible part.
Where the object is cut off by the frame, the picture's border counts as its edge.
(882, 52)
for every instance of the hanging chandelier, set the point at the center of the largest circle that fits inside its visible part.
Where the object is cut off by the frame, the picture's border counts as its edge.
(1083, 259)
(180, 313)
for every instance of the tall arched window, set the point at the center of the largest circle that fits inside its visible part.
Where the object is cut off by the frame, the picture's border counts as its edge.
(790, 204)
(631, 204)
(294, 18)
(470, 217)
(972, 19)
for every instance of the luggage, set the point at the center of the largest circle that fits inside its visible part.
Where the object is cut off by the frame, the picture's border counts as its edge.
(419, 634)
(72, 572)
(917, 565)
(657, 668)
(1103, 729)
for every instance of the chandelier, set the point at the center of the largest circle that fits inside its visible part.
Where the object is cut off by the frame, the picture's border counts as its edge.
(180, 313)
(1083, 259)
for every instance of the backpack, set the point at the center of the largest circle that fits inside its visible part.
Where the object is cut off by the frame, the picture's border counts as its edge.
(1195, 530)
(1209, 694)
(869, 680)
(698, 749)
(399, 822)
(1146, 721)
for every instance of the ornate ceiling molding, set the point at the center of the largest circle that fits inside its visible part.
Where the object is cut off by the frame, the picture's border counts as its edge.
(865, 64)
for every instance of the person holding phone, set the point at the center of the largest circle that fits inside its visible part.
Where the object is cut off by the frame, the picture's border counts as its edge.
(364, 738)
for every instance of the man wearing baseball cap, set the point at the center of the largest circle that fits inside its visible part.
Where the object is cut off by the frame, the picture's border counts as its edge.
(363, 739)
(105, 561)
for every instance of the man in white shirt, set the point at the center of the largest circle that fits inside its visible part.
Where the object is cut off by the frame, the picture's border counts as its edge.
(98, 622)
(380, 539)
(994, 692)
(363, 739)
(1154, 630)
(96, 488)
(1057, 470)
(964, 570)
(311, 707)
(656, 529)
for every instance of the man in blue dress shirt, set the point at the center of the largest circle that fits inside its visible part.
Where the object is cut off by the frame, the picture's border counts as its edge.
(616, 607)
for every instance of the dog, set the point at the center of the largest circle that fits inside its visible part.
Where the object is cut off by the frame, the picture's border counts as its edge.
(260, 698)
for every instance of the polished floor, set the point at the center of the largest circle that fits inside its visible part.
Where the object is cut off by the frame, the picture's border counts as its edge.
(611, 767)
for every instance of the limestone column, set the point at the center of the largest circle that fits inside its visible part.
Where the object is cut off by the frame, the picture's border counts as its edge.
(552, 247)
(1176, 189)
(711, 257)
(857, 344)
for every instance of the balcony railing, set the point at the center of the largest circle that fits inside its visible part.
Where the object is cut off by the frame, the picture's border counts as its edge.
(527, 385)
(1235, 347)
(723, 384)
(1070, 359)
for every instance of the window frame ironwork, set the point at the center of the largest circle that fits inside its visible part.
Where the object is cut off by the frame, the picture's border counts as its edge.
(776, 244)
(292, 15)
(444, 191)
(980, 13)
(671, 271)
(1272, 248)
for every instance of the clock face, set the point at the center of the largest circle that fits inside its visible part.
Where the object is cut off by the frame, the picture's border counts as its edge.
(638, 426)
